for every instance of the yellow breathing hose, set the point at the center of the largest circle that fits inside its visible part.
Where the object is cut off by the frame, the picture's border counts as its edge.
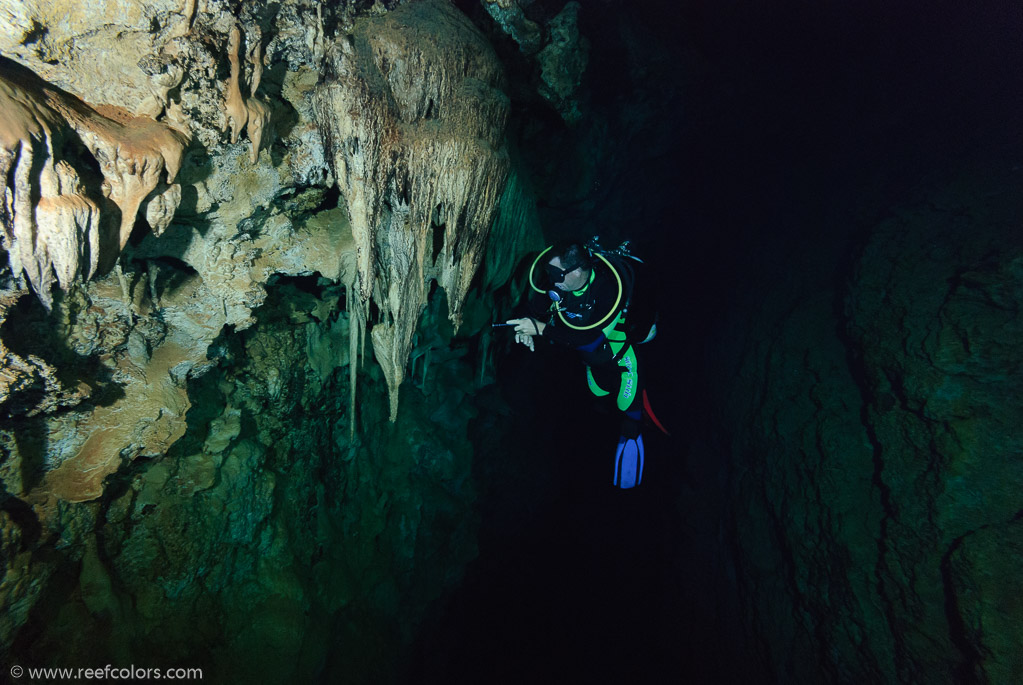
(561, 316)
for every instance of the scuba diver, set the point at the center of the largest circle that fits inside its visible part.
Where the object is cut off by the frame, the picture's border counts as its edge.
(584, 299)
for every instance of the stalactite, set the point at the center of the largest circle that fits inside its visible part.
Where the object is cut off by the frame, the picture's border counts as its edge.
(414, 362)
(426, 364)
(234, 104)
(413, 119)
(251, 113)
(354, 333)
(258, 110)
(256, 60)
(123, 282)
(50, 223)
(152, 272)
(484, 350)
(133, 153)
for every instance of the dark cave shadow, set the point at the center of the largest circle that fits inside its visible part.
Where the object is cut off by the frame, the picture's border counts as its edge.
(31, 437)
(170, 274)
(38, 334)
(285, 117)
(25, 519)
(575, 580)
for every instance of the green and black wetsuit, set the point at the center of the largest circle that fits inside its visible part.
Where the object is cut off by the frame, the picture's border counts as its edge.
(593, 321)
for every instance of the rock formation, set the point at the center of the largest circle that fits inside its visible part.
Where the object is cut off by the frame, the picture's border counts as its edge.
(183, 466)
(558, 48)
(513, 21)
(60, 233)
(413, 119)
(563, 62)
(249, 113)
(882, 463)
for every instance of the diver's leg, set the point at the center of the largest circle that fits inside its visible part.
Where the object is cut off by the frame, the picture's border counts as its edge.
(629, 455)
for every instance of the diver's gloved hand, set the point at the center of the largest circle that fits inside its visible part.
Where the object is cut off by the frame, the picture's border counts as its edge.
(525, 329)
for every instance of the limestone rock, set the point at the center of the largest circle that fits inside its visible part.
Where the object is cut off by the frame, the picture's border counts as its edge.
(513, 21)
(182, 449)
(235, 113)
(59, 40)
(563, 62)
(249, 113)
(985, 590)
(23, 578)
(413, 118)
(60, 232)
(878, 483)
(29, 384)
(558, 50)
(935, 311)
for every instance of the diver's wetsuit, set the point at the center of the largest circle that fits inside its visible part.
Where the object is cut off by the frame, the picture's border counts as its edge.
(591, 320)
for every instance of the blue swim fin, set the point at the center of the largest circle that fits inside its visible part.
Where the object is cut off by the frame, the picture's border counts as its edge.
(629, 462)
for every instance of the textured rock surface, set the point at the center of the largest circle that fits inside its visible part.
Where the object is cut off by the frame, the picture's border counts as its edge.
(563, 62)
(185, 476)
(557, 49)
(264, 529)
(879, 533)
(414, 122)
(509, 16)
(53, 226)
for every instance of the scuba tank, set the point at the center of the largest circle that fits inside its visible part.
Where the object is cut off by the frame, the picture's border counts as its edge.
(641, 327)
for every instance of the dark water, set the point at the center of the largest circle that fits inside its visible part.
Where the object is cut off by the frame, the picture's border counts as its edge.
(578, 581)
(797, 127)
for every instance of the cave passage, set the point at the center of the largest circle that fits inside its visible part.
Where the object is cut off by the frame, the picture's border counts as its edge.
(577, 581)
(807, 126)
(825, 196)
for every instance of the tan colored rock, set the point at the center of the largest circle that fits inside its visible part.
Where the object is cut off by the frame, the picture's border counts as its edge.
(60, 41)
(259, 117)
(414, 118)
(133, 153)
(161, 206)
(148, 419)
(249, 113)
(27, 132)
(187, 17)
(68, 224)
(151, 558)
(234, 104)
(50, 225)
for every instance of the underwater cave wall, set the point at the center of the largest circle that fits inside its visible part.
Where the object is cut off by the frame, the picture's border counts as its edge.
(265, 539)
(876, 464)
(189, 476)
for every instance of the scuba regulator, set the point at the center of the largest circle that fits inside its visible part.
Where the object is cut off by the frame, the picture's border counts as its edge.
(557, 275)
